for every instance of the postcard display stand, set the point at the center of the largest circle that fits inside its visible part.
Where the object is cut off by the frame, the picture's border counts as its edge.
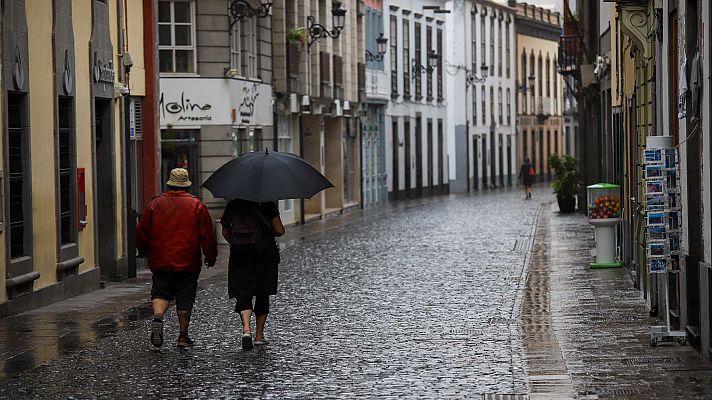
(663, 227)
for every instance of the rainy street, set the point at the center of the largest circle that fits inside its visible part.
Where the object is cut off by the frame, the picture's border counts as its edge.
(411, 302)
(429, 298)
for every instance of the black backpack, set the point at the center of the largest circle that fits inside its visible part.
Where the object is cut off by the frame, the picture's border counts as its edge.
(249, 230)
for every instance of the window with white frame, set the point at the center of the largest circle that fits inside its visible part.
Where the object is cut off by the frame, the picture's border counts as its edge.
(492, 45)
(484, 106)
(507, 40)
(499, 104)
(474, 105)
(176, 44)
(248, 47)
(236, 48)
(509, 106)
(474, 42)
(483, 39)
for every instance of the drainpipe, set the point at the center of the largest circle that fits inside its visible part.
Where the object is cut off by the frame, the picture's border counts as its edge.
(130, 217)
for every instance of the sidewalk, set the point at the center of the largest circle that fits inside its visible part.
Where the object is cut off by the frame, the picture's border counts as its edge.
(34, 338)
(586, 332)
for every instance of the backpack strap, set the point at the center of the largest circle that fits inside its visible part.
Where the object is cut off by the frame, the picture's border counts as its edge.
(262, 218)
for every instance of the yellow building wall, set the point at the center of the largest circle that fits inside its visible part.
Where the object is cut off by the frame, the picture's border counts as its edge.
(547, 47)
(3, 266)
(82, 21)
(134, 36)
(43, 171)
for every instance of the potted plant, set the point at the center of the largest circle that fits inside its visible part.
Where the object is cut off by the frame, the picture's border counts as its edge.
(297, 35)
(566, 181)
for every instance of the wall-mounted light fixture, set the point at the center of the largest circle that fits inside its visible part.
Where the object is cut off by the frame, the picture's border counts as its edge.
(433, 60)
(241, 9)
(381, 43)
(318, 31)
(473, 78)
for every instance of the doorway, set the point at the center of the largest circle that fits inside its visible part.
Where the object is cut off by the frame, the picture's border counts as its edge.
(105, 189)
(485, 184)
(509, 161)
(475, 164)
(395, 147)
(431, 152)
(179, 149)
(500, 147)
(441, 156)
(408, 161)
(419, 156)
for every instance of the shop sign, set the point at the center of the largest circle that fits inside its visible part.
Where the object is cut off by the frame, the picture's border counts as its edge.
(196, 101)
(103, 71)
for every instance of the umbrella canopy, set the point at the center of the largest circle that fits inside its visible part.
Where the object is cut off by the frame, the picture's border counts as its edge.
(267, 176)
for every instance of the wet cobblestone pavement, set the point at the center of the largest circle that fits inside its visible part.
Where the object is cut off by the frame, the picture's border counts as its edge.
(417, 302)
(588, 335)
(484, 296)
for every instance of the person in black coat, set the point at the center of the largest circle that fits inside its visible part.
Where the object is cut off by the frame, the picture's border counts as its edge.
(252, 272)
(526, 174)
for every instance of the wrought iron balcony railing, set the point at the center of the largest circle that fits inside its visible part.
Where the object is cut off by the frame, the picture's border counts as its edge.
(569, 51)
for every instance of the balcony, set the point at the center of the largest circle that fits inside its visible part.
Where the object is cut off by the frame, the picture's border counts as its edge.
(377, 87)
(544, 108)
(569, 51)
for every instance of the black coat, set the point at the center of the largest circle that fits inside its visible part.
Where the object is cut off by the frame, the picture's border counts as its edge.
(250, 273)
(527, 179)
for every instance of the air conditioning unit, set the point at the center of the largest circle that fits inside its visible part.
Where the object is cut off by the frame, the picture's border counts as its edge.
(293, 103)
(306, 105)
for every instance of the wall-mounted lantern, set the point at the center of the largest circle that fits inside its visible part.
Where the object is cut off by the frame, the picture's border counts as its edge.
(473, 78)
(433, 60)
(317, 31)
(381, 43)
(241, 9)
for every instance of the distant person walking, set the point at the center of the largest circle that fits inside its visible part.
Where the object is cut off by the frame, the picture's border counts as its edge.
(526, 174)
(251, 228)
(172, 231)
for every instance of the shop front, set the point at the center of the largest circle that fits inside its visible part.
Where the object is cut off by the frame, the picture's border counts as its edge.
(206, 122)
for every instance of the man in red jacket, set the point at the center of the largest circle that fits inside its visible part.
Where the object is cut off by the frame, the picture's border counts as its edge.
(173, 229)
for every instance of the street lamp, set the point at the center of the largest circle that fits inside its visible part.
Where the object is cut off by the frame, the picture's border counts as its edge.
(472, 78)
(433, 60)
(318, 31)
(381, 46)
(239, 9)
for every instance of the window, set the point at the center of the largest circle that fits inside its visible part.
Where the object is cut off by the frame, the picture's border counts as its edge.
(499, 106)
(499, 48)
(483, 40)
(532, 105)
(548, 76)
(65, 149)
(492, 46)
(474, 105)
(429, 77)
(406, 58)
(524, 83)
(394, 56)
(18, 174)
(419, 60)
(243, 48)
(525, 150)
(556, 87)
(492, 104)
(474, 43)
(441, 96)
(540, 76)
(176, 48)
(507, 59)
(509, 106)
(484, 106)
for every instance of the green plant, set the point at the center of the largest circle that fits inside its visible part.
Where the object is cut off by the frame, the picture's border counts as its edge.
(295, 35)
(566, 175)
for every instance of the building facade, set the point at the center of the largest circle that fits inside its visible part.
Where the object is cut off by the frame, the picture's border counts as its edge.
(319, 90)
(75, 76)
(416, 139)
(540, 120)
(215, 98)
(373, 125)
(482, 88)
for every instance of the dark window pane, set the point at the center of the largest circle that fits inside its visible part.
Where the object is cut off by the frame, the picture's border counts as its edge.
(184, 61)
(181, 11)
(183, 34)
(165, 60)
(164, 11)
(164, 35)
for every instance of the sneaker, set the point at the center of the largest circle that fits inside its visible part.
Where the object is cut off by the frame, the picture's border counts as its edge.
(261, 342)
(184, 341)
(157, 332)
(247, 341)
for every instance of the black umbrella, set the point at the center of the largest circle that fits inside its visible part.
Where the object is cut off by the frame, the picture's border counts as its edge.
(267, 176)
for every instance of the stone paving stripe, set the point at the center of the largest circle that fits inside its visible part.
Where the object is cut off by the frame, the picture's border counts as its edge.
(495, 396)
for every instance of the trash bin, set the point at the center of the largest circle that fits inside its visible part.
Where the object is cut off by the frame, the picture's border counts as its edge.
(604, 213)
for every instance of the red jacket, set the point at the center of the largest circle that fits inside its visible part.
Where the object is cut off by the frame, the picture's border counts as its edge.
(173, 229)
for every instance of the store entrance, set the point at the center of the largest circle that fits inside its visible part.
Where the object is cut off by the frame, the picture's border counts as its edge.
(105, 189)
(179, 149)
(484, 162)
(475, 164)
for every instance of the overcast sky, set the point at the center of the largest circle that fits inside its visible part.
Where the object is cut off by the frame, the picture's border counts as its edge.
(552, 4)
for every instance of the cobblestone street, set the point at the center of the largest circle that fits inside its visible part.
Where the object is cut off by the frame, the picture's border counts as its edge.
(426, 299)
(409, 303)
